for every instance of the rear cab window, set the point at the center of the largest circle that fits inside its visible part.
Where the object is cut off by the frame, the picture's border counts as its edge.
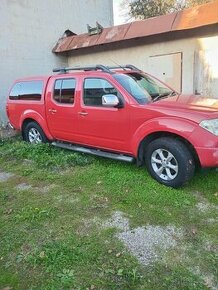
(27, 90)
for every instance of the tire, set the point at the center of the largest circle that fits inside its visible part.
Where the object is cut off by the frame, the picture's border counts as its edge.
(169, 161)
(34, 134)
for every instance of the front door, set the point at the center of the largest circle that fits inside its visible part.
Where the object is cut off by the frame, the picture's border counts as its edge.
(100, 126)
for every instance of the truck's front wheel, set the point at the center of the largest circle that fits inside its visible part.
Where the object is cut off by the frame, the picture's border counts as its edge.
(33, 133)
(169, 161)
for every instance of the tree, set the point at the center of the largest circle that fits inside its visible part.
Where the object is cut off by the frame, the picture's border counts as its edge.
(142, 9)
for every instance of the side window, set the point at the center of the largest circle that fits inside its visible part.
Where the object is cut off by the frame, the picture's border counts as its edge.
(15, 92)
(64, 91)
(57, 91)
(28, 91)
(94, 89)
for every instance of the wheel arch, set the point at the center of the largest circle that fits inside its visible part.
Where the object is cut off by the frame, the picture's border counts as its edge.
(156, 135)
(27, 118)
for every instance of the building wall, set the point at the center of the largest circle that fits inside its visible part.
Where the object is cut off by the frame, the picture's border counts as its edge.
(196, 72)
(206, 67)
(30, 29)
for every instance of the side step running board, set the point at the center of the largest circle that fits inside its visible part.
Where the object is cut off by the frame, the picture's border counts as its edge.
(97, 152)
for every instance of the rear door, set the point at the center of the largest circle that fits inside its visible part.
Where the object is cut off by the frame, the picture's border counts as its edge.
(61, 107)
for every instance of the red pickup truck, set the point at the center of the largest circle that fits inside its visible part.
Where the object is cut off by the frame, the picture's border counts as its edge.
(120, 113)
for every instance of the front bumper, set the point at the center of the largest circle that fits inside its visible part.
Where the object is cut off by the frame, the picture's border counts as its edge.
(208, 156)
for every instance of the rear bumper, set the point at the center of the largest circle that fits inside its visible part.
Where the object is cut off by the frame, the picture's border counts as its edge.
(208, 156)
(10, 125)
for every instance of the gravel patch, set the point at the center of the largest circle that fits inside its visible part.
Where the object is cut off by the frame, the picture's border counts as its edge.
(23, 186)
(46, 189)
(117, 221)
(66, 199)
(87, 226)
(203, 206)
(28, 162)
(206, 206)
(147, 244)
(212, 220)
(4, 176)
(210, 246)
(209, 279)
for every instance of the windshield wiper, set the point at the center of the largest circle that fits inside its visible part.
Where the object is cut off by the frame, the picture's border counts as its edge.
(164, 95)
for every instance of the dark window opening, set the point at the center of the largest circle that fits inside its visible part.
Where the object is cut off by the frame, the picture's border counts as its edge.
(64, 91)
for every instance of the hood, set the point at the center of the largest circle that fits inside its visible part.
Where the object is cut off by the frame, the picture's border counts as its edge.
(192, 102)
(194, 107)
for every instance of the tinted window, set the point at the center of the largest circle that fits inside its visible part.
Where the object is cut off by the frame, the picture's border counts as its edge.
(153, 86)
(139, 94)
(15, 92)
(64, 91)
(94, 89)
(31, 91)
(57, 91)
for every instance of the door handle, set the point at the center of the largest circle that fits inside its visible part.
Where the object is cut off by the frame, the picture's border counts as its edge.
(53, 111)
(83, 113)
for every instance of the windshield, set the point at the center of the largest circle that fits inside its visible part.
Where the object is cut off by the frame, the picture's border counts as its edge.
(133, 88)
(155, 88)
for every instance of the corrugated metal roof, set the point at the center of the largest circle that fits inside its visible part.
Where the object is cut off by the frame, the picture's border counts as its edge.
(198, 16)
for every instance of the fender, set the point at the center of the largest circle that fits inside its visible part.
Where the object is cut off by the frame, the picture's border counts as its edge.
(35, 116)
(178, 126)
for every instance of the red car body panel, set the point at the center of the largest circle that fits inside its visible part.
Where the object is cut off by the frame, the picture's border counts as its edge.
(120, 130)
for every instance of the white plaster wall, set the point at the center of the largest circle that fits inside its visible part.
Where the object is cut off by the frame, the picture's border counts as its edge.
(206, 66)
(139, 56)
(31, 28)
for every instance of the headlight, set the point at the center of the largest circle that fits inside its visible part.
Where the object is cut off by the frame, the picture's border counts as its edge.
(211, 126)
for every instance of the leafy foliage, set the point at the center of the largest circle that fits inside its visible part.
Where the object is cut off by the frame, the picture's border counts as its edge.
(142, 9)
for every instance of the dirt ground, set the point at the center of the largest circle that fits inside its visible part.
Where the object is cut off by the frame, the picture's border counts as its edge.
(7, 132)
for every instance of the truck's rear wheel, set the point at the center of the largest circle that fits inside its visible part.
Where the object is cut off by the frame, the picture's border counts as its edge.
(169, 161)
(33, 133)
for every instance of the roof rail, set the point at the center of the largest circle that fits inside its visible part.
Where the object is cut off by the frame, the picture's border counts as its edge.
(117, 67)
(101, 67)
(124, 67)
(130, 66)
(85, 68)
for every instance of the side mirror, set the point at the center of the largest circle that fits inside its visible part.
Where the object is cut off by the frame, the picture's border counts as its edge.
(110, 100)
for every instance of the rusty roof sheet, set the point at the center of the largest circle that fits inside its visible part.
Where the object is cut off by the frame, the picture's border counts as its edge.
(195, 17)
(151, 26)
(114, 34)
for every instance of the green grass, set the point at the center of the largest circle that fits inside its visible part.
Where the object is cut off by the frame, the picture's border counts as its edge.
(49, 238)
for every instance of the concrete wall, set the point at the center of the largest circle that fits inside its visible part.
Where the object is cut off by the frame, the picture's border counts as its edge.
(141, 55)
(31, 28)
